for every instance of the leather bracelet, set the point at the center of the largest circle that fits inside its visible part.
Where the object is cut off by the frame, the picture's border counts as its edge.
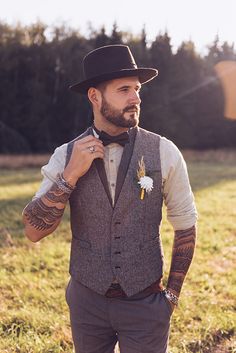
(171, 297)
(72, 187)
(64, 185)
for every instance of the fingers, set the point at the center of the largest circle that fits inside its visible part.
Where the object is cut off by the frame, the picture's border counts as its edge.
(91, 148)
(90, 145)
(97, 155)
(88, 142)
(88, 139)
(83, 153)
(95, 151)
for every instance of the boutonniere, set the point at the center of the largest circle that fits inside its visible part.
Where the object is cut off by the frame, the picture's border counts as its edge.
(145, 182)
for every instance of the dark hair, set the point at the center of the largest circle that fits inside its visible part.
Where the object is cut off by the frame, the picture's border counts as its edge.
(102, 86)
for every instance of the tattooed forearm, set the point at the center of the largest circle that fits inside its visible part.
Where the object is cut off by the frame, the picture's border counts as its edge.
(183, 249)
(46, 212)
(41, 216)
(182, 259)
(56, 195)
(175, 282)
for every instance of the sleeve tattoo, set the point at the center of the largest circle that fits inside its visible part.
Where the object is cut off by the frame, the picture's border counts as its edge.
(44, 212)
(182, 254)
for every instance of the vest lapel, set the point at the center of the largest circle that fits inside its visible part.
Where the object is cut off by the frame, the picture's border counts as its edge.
(123, 167)
(102, 174)
(124, 163)
(99, 163)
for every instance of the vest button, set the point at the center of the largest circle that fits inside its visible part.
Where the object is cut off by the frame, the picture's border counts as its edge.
(117, 252)
(117, 222)
(117, 266)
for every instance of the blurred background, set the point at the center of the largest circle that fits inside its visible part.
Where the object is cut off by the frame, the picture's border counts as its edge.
(192, 102)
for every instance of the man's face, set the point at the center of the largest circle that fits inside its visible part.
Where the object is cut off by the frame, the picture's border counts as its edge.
(121, 102)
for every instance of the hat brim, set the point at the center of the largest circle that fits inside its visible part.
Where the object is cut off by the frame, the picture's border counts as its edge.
(144, 74)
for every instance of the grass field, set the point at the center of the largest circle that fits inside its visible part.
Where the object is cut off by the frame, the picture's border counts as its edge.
(33, 313)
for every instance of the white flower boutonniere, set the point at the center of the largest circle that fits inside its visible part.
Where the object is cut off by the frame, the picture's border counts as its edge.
(145, 182)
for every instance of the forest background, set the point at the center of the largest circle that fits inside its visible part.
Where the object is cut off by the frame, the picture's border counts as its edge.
(38, 63)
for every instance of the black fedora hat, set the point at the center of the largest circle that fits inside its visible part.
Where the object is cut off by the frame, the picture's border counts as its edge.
(110, 62)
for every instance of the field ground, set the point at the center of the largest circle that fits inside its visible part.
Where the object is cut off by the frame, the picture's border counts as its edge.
(33, 311)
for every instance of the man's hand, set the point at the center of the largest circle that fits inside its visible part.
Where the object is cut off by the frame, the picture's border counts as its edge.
(82, 158)
(42, 216)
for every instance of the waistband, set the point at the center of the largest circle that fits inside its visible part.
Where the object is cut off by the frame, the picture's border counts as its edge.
(116, 291)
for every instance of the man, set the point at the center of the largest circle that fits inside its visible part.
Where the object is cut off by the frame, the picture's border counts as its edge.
(116, 176)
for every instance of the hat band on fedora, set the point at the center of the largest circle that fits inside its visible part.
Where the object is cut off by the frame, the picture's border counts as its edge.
(92, 71)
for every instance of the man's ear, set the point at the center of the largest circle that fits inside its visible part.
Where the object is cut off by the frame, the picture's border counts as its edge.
(94, 95)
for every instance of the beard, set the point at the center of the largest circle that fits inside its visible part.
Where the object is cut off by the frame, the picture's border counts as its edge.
(117, 116)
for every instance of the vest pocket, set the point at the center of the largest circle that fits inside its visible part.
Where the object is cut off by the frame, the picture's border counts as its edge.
(79, 243)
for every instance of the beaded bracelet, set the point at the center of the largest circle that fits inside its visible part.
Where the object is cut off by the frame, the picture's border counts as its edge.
(171, 297)
(64, 185)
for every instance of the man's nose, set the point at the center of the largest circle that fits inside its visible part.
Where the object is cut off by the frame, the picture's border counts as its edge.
(135, 98)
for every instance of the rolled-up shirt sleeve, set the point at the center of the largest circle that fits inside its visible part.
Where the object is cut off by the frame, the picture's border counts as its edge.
(176, 189)
(49, 171)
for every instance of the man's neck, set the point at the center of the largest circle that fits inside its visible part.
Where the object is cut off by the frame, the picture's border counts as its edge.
(109, 128)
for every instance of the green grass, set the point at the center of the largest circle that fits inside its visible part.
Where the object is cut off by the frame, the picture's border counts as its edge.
(34, 315)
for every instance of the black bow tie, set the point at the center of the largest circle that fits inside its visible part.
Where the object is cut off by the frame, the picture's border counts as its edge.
(106, 139)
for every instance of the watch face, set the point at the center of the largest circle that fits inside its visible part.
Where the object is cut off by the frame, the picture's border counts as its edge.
(171, 297)
(168, 297)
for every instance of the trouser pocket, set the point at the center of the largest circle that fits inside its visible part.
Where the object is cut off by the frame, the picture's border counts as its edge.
(167, 303)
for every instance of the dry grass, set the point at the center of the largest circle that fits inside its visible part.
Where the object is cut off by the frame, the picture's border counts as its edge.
(34, 315)
(220, 155)
(23, 161)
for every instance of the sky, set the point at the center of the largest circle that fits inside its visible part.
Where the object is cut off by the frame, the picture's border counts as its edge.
(198, 20)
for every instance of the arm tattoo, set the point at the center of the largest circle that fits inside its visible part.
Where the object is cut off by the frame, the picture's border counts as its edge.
(40, 216)
(43, 215)
(56, 195)
(182, 254)
(175, 283)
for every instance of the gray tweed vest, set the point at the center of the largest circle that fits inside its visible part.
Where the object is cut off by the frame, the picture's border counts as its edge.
(123, 241)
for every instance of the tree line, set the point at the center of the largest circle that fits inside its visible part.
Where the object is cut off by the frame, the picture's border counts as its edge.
(38, 63)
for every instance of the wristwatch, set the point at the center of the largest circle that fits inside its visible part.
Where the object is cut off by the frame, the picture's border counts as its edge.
(171, 297)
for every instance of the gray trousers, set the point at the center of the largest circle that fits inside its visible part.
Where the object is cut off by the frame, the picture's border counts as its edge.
(98, 322)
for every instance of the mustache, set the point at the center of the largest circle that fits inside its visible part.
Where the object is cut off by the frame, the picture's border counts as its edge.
(132, 107)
